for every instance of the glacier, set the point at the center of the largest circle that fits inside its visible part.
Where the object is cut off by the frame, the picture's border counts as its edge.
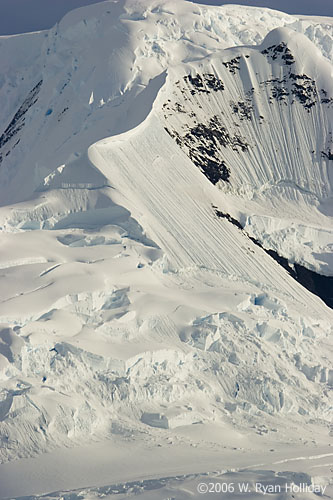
(151, 156)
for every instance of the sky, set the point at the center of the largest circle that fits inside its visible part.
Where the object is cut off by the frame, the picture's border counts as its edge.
(20, 16)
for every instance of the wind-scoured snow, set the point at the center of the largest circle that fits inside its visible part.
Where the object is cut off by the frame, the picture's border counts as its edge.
(260, 119)
(133, 312)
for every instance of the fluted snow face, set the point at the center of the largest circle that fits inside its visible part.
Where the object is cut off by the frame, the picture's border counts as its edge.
(258, 123)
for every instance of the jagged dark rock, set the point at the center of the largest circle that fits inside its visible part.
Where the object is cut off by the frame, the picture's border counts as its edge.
(279, 51)
(203, 144)
(243, 109)
(232, 65)
(327, 154)
(231, 219)
(320, 285)
(18, 121)
(203, 83)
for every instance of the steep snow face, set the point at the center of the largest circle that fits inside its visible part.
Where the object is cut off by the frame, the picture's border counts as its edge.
(57, 98)
(127, 302)
(258, 122)
(84, 98)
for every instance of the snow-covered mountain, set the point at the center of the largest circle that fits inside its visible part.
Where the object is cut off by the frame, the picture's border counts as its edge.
(166, 213)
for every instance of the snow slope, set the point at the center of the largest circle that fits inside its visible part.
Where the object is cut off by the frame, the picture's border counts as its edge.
(132, 310)
(276, 141)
